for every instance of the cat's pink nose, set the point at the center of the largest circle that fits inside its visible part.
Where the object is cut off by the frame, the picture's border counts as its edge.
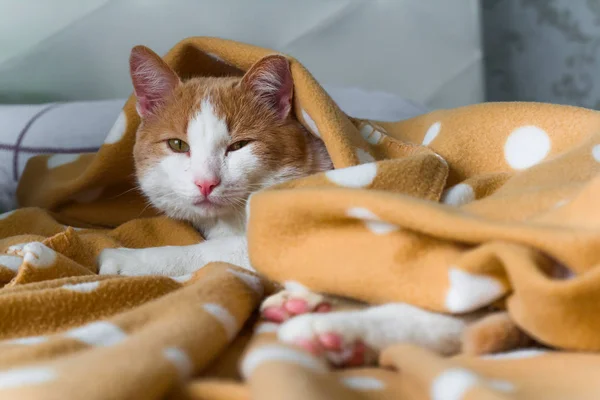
(207, 186)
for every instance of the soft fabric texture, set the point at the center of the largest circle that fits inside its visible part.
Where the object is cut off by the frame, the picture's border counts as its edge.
(451, 211)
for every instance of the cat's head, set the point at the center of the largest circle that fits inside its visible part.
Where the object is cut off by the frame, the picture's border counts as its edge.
(205, 144)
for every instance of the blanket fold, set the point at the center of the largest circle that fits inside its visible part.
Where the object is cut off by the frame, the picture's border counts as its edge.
(452, 211)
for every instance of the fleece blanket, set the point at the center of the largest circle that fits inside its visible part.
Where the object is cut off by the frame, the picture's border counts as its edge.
(451, 211)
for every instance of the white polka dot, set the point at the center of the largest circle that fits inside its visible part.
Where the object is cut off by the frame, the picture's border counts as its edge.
(432, 133)
(469, 292)
(7, 214)
(358, 176)
(526, 146)
(11, 262)
(270, 353)
(16, 377)
(85, 287)
(58, 160)
(596, 152)
(88, 196)
(452, 384)
(27, 341)
(180, 360)
(223, 315)
(117, 132)
(38, 255)
(516, 354)
(458, 195)
(100, 333)
(253, 282)
(363, 383)
(266, 327)
(311, 124)
(364, 156)
(371, 221)
(370, 134)
(182, 278)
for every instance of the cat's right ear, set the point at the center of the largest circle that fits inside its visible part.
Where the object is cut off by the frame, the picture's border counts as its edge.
(153, 80)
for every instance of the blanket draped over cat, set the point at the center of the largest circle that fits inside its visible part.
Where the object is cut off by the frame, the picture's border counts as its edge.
(452, 211)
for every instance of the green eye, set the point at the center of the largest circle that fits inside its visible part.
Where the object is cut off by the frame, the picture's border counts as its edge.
(178, 146)
(238, 145)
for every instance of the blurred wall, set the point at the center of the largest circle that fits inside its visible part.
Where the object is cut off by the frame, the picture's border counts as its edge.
(427, 51)
(542, 50)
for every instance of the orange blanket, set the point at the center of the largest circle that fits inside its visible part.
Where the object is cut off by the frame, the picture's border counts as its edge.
(515, 192)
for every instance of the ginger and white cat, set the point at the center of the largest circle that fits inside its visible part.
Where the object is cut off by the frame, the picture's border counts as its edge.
(206, 144)
(203, 146)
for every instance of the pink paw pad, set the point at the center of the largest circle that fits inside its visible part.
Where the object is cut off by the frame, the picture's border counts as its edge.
(331, 346)
(291, 308)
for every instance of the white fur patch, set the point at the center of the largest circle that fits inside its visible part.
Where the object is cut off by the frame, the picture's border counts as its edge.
(469, 291)
(277, 353)
(226, 319)
(379, 327)
(295, 286)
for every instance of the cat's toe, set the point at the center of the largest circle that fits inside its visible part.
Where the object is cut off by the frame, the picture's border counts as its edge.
(286, 304)
(113, 261)
(329, 336)
(16, 250)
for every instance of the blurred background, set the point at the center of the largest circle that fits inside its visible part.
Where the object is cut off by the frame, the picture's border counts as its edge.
(64, 63)
(437, 53)
(542, 50)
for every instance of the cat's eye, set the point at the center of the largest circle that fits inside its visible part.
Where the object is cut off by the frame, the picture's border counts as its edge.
(237, 145)
(178, 146)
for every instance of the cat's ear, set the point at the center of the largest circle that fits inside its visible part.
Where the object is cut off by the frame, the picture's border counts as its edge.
(270, 79)
(153, 80)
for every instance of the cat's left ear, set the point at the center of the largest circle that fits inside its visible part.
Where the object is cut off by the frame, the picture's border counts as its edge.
(270, 79)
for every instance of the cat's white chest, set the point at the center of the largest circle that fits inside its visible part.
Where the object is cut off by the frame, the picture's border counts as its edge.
(223, 227)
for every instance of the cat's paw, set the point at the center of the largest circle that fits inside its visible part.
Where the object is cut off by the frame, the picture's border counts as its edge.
(121, 262)
(34, 253)
(17, 249)
(339, 337)
(286, 304)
